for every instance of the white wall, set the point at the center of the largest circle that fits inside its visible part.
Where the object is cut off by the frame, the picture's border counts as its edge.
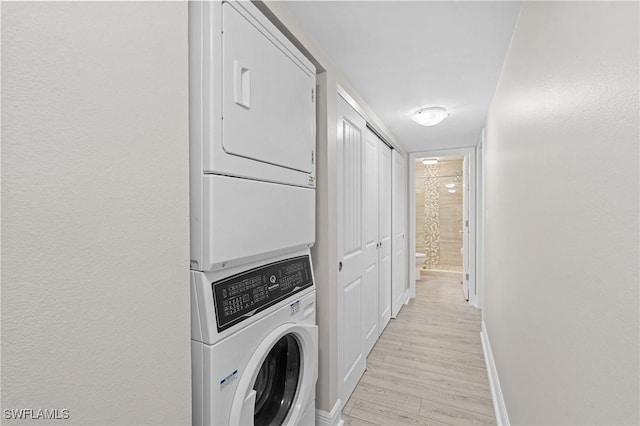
(561, 300)
(95, 224)
(325, 249)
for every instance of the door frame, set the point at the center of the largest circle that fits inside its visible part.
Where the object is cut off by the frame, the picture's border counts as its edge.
(471, 153)
(466, 230)
(480, 221)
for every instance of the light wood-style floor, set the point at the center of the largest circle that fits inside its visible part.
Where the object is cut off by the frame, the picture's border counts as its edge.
(427, 367)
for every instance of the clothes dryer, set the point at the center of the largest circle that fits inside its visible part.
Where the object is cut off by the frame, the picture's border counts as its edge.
(252, 94)
(255, 344)
(252, 138)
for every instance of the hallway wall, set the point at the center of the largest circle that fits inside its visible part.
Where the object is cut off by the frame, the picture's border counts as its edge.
(561, 298)
(95, 212)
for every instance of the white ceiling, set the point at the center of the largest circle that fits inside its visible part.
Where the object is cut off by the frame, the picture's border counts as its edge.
(403, 55)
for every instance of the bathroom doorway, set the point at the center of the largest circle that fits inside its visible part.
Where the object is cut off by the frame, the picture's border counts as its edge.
(439, 216)
(443, 218)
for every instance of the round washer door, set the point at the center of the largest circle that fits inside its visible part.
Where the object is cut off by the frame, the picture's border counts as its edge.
(279, 380)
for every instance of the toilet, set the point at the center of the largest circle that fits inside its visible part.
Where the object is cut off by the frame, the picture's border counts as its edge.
(420, 257)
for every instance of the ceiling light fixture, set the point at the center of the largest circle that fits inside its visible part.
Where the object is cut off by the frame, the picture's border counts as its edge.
(429, 161)
(430, 116)
(451, 191)
(450, 185)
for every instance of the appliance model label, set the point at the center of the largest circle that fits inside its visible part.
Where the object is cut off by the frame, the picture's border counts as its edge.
(241, 296)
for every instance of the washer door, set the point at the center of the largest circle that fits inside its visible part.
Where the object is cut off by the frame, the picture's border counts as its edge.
(279, 381)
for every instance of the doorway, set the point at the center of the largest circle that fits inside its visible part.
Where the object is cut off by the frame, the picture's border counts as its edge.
(439, 216)
(442, 218)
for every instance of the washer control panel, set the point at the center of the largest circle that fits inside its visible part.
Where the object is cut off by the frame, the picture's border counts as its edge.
(241, 296)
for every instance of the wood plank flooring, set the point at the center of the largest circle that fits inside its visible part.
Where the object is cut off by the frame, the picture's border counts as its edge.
(427, 368)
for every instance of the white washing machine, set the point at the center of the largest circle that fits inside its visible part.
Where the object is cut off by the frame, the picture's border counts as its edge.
(252, 138)
(254, 344)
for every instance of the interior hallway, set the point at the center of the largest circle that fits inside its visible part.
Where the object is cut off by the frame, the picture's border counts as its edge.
(427, 367)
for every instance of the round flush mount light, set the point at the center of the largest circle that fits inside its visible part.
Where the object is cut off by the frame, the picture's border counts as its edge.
(450, 185)
(429, 161)
(430, 116)
(451, 191)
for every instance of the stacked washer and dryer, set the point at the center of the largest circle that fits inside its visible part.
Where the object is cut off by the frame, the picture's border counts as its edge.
(252, 192)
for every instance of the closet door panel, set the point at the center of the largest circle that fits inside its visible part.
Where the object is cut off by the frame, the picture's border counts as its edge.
(370, 331)
(384, 235)
(351, 246)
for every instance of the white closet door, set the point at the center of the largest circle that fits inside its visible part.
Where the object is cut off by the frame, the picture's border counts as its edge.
(371, 242)
(399, 286)
(384, 214)
(351, 249)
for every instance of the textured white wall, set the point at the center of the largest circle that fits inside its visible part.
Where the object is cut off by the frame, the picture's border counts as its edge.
(561, 301)
(95, 224)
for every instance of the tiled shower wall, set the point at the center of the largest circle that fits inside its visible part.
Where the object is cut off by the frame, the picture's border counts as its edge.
(439, 214)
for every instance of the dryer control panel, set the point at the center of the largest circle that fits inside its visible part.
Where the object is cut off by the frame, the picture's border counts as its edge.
(241, 296)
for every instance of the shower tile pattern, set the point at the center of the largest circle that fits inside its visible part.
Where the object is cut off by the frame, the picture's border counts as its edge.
(431, 214)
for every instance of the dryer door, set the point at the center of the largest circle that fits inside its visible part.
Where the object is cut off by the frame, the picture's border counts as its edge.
(279, 383)
(251, 97)
(268, 104)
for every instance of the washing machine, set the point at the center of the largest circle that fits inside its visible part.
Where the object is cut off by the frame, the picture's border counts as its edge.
(254, 344)
(252, 138)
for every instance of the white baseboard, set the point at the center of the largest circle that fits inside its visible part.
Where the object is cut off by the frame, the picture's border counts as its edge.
(502, 418)
(334, 418)
(407, 296)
